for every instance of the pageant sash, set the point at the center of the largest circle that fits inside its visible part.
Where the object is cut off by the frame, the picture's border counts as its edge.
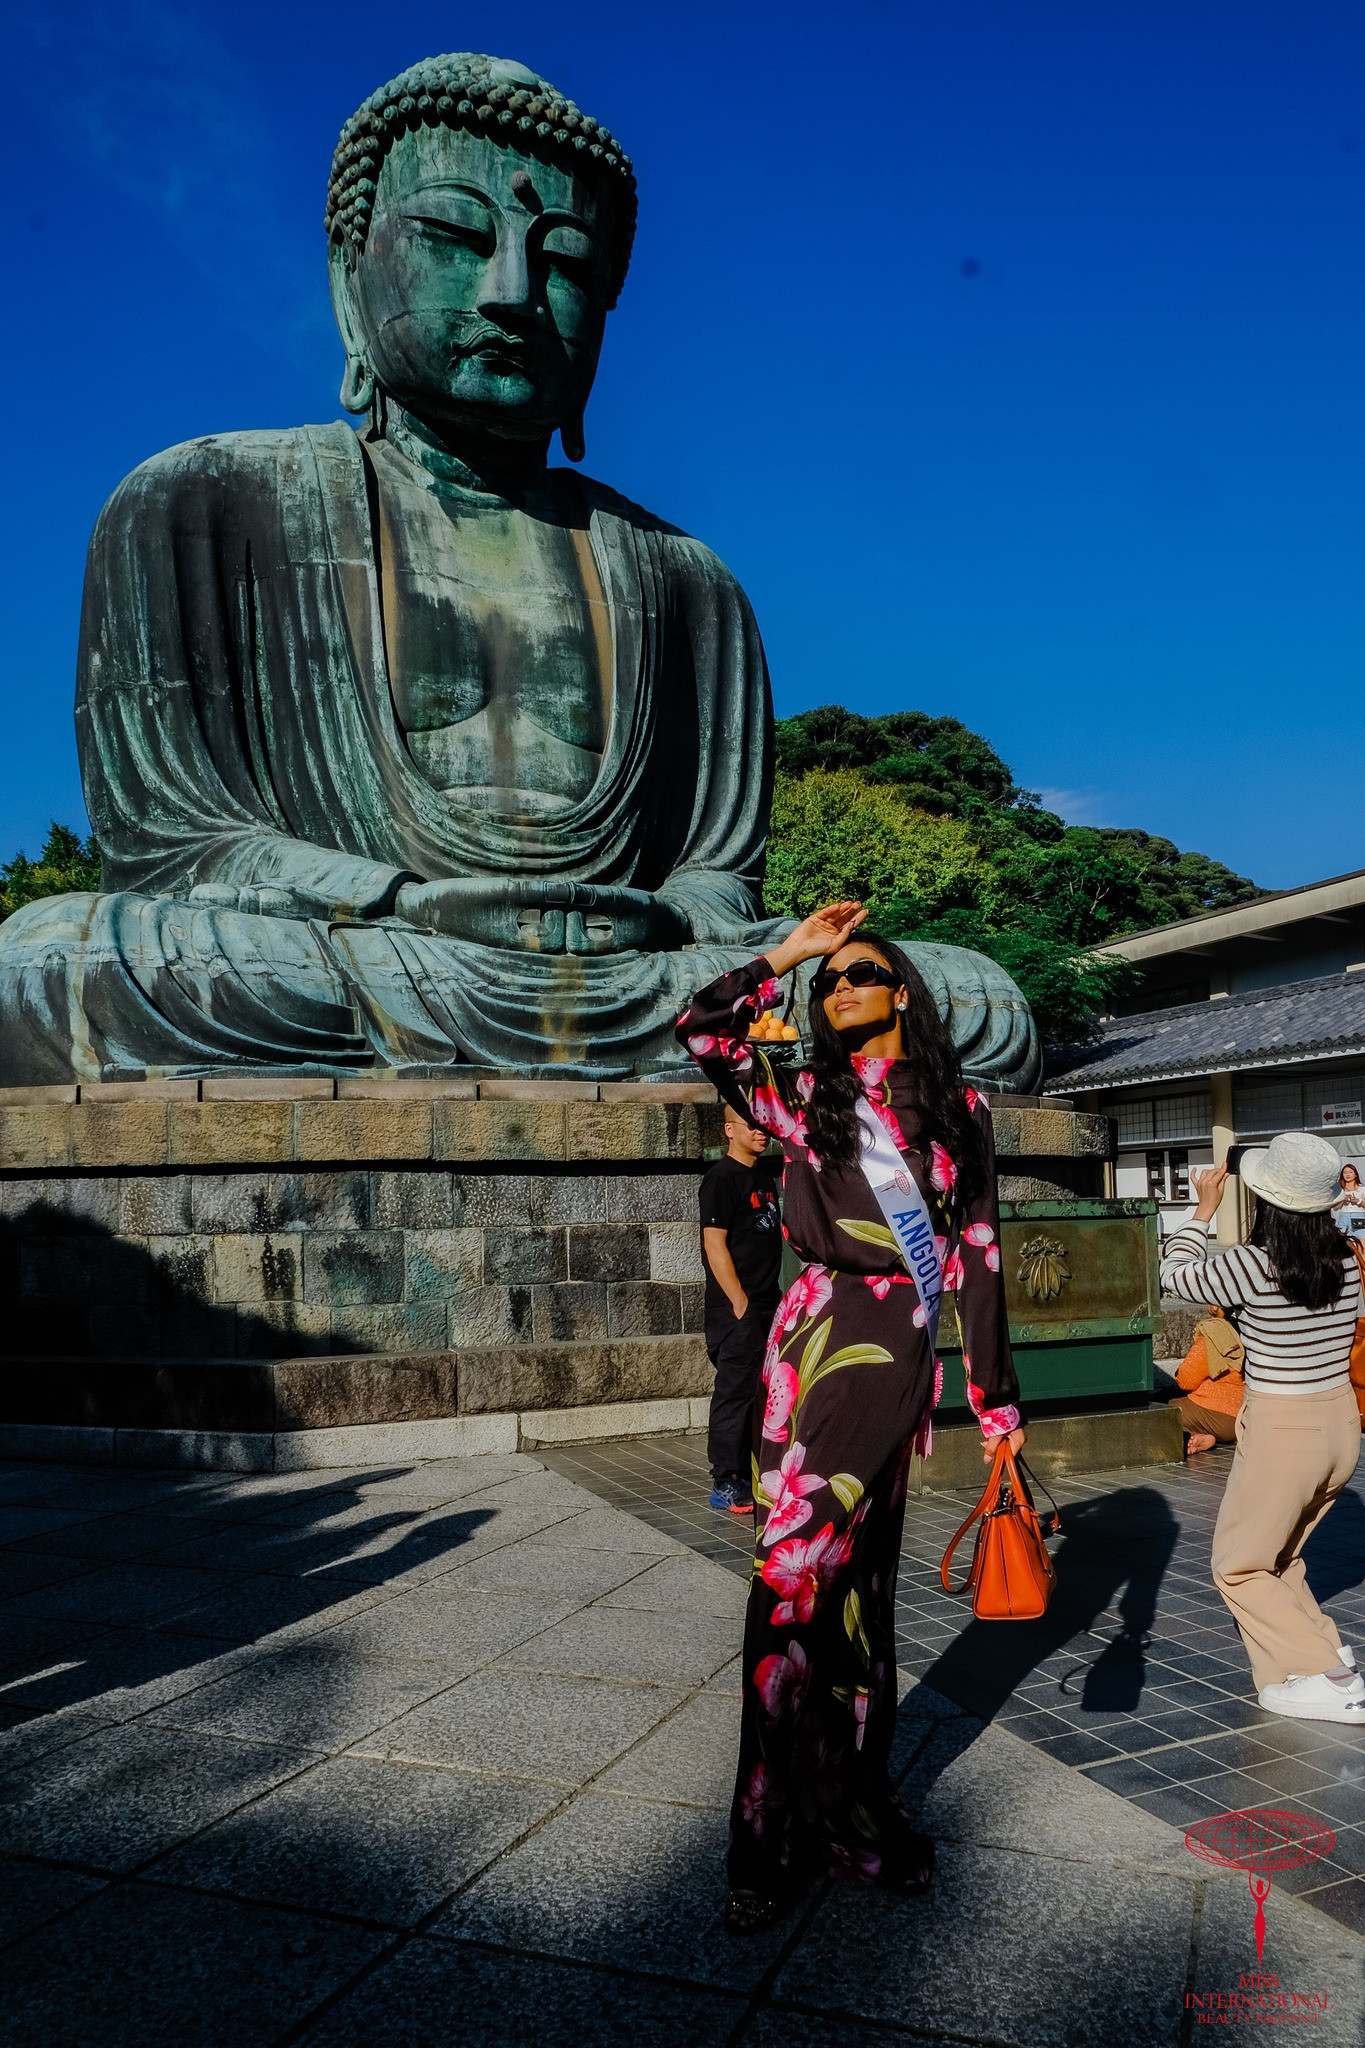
(905, 1209)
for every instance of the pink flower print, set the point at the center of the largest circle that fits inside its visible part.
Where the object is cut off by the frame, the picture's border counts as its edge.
(797, 1571)
(787, 1488)
(953, 1272)
(978, 1233)
(997, 1421)
(860, 1706)
(781, 1682)
(758, 1798)
(920, 1316)
(702, 1044)
(736, 1054)
(942, 1172)
(992, 1257)
(938, 1382)
(803, 1300)
(805, 1085)
(782, 1384)
(871, 1072)
(975, 1398)
(772, 1112)
(971, 1098)
(859, 1865)
(879, 1283)
(769, 993)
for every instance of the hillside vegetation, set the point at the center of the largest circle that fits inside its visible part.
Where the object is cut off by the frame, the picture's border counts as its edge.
(922, 819)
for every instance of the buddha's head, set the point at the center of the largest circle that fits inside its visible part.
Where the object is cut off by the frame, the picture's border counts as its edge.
(480, 229)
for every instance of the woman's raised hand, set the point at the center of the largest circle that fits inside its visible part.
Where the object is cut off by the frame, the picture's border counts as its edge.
(824, 931)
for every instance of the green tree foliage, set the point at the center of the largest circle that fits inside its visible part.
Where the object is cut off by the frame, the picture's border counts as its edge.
(937, 763)
(833, 835)
(921, 818)
(66, 865)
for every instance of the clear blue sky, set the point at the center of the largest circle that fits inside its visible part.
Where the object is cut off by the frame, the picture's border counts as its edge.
(1101, 497)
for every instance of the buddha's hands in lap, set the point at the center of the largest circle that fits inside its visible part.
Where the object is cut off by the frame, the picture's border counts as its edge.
(543, 917)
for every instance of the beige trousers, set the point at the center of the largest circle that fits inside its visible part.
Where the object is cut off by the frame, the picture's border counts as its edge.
(1294, 1454)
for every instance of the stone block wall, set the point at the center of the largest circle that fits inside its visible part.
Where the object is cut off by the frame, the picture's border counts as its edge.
(257, 1264)
(543, 1235)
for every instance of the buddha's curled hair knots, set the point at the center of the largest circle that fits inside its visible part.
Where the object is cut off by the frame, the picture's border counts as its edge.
(484, 96)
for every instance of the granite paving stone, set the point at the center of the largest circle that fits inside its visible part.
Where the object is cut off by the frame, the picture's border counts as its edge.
(616, 1643)
(144, 1967)
(122, 1795)
(681, 1585)
(919, 1962)
(307, 1694)
(122, 1593)
(247, 1610)
(356, 1836)
(453, 1630)
(31, 1893)
(316, 1761)
(539, 1567)
(690, 1757)
(122, 1673)
(436, 1991)
(623, 1881)
(526, 1724)
(26, 1734)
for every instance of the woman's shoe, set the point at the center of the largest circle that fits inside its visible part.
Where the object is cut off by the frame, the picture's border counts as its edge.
(751, 1912)
(1323, 1697)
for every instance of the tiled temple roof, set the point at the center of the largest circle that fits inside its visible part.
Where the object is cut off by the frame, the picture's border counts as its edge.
(1270, 1027)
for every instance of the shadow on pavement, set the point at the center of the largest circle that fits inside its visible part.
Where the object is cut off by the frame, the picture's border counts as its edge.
(123, 1600)
(1120, 1540)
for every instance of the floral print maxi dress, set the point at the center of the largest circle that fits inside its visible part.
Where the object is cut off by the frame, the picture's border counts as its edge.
(849, 1381)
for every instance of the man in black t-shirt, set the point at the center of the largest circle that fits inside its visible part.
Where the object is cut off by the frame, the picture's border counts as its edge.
(741, 1243)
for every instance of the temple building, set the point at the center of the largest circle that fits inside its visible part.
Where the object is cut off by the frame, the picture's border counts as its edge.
(1247, 1022)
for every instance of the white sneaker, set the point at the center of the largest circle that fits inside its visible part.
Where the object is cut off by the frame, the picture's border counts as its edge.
(1347, 1655)
(1320, 1698)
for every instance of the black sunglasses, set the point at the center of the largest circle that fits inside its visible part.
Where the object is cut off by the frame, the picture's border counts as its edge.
(858, 974)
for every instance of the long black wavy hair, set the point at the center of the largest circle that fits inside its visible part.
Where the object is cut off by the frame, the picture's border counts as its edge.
(1307, 1254)
(935, 1075)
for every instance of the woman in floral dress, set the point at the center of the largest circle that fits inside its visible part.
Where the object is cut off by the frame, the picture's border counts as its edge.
(849, 1381)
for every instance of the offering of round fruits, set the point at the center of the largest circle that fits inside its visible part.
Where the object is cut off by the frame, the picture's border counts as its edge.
(770, 1030)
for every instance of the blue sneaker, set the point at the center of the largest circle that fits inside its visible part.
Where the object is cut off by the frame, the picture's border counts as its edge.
(732, 1497)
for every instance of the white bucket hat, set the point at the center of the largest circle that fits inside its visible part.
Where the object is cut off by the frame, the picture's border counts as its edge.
(1294, 1171)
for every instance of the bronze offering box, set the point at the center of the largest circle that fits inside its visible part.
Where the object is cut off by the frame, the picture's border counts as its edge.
(1083, 1297)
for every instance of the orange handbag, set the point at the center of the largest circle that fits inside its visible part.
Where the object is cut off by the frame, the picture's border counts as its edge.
(1012, 1576)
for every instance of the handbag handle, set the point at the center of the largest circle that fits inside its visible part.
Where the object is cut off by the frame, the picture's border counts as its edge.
(984, 1506)
(1005, 1466)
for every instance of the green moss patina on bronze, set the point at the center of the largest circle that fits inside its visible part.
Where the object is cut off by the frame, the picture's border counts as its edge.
(403, 748)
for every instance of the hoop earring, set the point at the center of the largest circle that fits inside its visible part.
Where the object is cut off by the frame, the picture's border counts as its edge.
(357, 385)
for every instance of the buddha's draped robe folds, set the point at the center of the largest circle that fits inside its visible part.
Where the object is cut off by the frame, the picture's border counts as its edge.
(258, 808)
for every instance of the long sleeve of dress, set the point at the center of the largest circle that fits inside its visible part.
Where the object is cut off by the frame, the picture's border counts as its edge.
(987, 1361)
(714, 1028)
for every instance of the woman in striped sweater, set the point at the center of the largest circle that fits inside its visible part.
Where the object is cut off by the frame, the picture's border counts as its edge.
(1295, 1291)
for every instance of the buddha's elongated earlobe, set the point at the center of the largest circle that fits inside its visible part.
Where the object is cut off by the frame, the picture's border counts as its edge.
(571, 439)
(357, 386)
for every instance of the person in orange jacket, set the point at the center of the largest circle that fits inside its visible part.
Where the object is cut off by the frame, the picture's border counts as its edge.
(1210, 1368)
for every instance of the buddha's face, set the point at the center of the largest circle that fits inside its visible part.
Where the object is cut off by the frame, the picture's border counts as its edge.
(480, 296)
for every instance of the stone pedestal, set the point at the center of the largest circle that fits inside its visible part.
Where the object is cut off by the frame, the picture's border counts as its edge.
(272, 1270)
